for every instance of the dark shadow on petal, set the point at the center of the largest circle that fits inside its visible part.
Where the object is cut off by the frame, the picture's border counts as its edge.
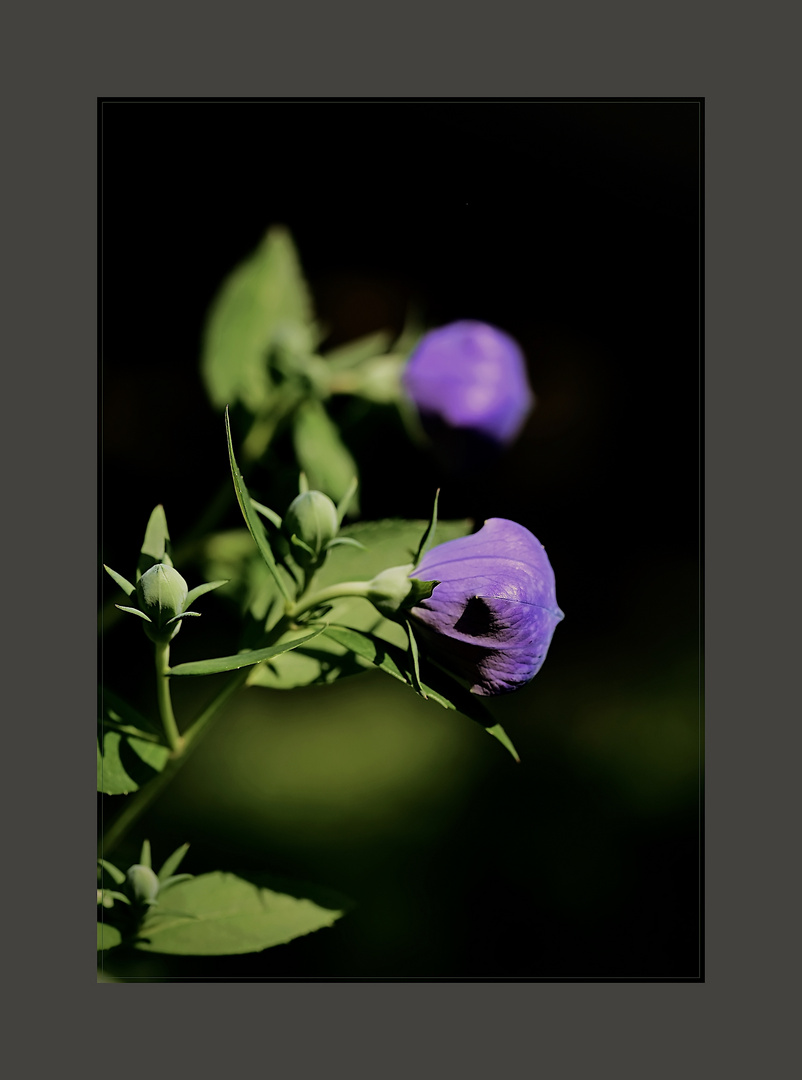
(477, 620)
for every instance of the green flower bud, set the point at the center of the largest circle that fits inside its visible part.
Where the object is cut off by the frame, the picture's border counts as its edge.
(312, 519)
(393, 591)
(162, 594)
(143, 883)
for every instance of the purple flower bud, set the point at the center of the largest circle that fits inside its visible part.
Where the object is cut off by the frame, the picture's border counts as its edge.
(471, 378)
(492, 617)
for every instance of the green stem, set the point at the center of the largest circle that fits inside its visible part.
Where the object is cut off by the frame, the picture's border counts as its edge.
(174, 740)
(333, 592)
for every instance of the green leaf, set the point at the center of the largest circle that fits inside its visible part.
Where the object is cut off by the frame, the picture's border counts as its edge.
(172, 862)
(243, 659)
(375, 650)
(320, 663)
(134, 611)
(144, 855)
(342, 508)
(427, 540)
(255, 526)
(127, 757)
(264, 302)
(183, 615)
(124, 584)
(156, 545)
(321, 453)
(201, 590)
(221, 914)
(107, 936)
(117, 876)
(344, 540)
(265, 511)
(414, 656)
(498, 732)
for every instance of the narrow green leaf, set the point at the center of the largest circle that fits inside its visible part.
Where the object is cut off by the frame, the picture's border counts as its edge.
(427, 540)
(498, 731)
(325, 459)
(344, 540)
(144, 856)
(173, 880)
(116, 875)
(201, 590)
(413, 652)
(299, 543)
(124, 584)
(106, 897)
(255, 526)
(303, 483)
(342, 508)
(134, 611)
(221, 914)
(265, 511)
(156, 545)
(107, 936)
(451, 694)
(183, 615)
(243, 659)
(172, 862)
(380, 653)
(321, 662)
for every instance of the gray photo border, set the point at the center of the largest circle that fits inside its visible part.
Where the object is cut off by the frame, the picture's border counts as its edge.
(52, 242)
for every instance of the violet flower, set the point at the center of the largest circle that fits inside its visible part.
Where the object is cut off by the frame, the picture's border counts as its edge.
(492, 615)
(469, 384)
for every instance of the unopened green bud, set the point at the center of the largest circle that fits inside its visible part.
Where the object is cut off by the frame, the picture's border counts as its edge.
(312, 519)
(162, 594)
(393, 591)
(143, 883)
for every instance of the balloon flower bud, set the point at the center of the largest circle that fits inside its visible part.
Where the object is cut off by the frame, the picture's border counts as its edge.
(393, 592)
(162, 594)
(311, 524)
(492, 616)
(469, 383)
(143, 883)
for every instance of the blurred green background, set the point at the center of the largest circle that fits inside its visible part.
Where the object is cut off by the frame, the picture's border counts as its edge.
(575, 227)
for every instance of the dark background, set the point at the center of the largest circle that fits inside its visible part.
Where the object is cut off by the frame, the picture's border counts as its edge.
(575, 227)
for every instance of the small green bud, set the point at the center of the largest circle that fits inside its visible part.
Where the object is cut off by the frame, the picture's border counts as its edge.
(312, 519)
(162, 594)
(143, 883)
(393, 591)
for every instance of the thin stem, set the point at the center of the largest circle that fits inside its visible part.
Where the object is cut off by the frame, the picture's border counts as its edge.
(174, 739)
(333, 592)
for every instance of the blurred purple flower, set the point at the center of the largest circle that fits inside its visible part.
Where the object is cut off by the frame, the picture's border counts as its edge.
(469, 377)
(492, 617)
